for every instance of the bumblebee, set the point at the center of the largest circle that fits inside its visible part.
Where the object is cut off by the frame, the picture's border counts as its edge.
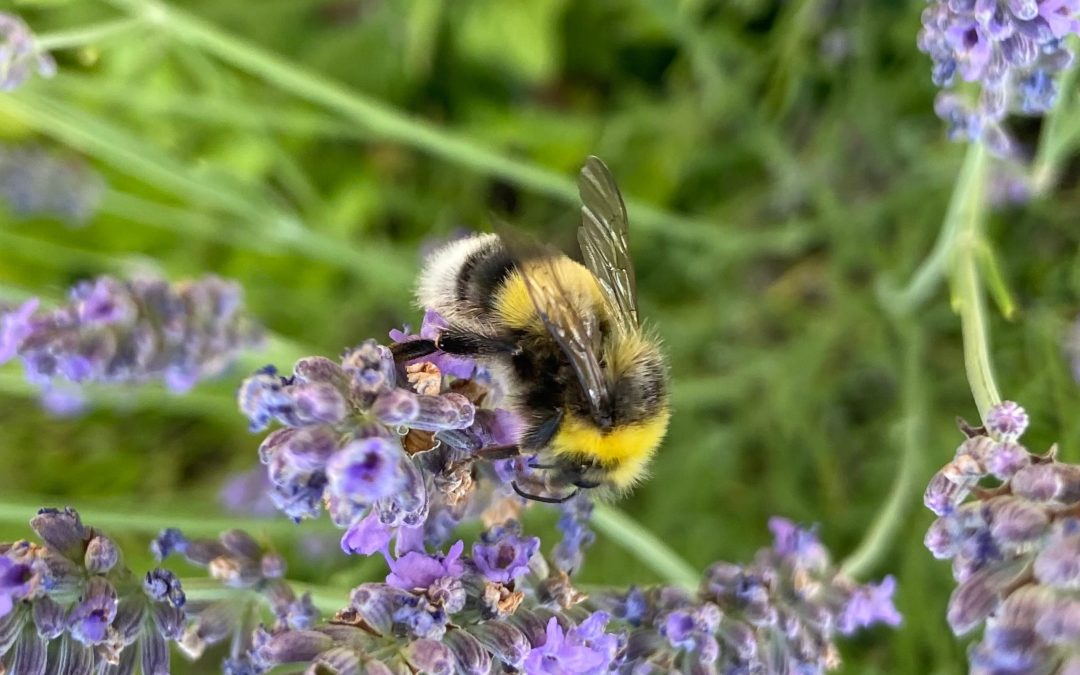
(589, 382)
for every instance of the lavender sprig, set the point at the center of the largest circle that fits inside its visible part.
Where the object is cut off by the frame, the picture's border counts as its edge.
(1011, 49)
(394, 454)
(131, 331)
(239, 562)
(505, 608)
(1008, 521)
(70, 606)
(37, 182)
(19, 55)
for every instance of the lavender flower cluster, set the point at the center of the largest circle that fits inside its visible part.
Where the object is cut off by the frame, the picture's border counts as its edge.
(1011, 49)
(394, 453)
(36, 182)
(1008, 521)
(68, 606)
(131, 331)
(19, 55)
(239, 562)
(504, 609)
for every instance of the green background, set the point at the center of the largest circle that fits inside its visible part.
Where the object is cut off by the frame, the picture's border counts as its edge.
(784, 164)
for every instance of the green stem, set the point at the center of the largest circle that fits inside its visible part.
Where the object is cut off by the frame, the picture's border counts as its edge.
(78, 37)
(882, 533)
(151, 519)
(396, 126)
(645, 546)
(968, 295)
(1059, 134)
(327, 600)
(967, 197)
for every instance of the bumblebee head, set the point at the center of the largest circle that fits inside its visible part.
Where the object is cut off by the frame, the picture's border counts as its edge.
(613, 447)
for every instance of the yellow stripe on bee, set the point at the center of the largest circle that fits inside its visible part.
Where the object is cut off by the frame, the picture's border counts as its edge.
(624, 451)
(514, 305)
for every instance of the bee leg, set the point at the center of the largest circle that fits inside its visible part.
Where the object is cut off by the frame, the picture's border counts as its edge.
(463, 343)
(541, 435)
(494, 452)
(412, 349)
(542, 498)
(586, 484)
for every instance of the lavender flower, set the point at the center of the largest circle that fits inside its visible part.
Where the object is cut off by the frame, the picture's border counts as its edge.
(36, 182)
(130, 331)
(391, 453)
(70, 601)
(444, 613)
(780, 614)
(19, 56)
(1012, 49)
(1006, 520)
(238, 561)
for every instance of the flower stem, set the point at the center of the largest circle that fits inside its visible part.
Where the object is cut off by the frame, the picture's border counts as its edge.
(645, 546)
(394, 125)
(327, 600)
(881, 535)
(968, 295)
(150, 519)
(967, 196)
(85, 35)
(1059, 135)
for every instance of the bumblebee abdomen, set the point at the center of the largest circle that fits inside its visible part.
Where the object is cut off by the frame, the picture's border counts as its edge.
(460, 280)
(623, 452)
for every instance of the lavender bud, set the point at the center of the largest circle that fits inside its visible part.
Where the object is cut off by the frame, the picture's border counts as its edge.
(977, 596)
(366, 470)
(470, 656)
(49, 617)
(1038, 482)
(1007, 420)
(430, 656)
(502, 556)
(1058, 563)
(62, 531)
(1016, 522)
(370, 368)
(427, 413)
(320, 369)
(506, 643)
(1005, 459)
(295, 646)
(91, 617)
(1060, 623)
(101, 555)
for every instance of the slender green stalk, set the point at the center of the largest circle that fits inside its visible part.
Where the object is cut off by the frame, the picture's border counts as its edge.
(645, 546)
(969, 301)
(85, 35)
(966, 198)
(397, 126)
(326, 599)
(152, 518)
(881, 536)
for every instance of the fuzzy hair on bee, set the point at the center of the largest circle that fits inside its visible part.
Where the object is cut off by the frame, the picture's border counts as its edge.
(589, 382)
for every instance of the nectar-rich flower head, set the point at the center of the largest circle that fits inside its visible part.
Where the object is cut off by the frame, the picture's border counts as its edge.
(1007, 519)
(1009, 51)
(396, 453)
(70, 600)
(130, 331)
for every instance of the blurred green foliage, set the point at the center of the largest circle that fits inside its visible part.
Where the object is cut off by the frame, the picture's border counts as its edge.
(796, 139)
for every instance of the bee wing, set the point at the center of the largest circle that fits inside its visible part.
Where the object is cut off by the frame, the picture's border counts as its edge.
(579, 336)
(603, 237)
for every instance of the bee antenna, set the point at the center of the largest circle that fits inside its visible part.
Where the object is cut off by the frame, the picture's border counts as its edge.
(540, 498)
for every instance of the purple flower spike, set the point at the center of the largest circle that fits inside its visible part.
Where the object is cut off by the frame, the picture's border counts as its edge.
(503, 555)
(15, 326)
(366, 470)
(419, 570)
